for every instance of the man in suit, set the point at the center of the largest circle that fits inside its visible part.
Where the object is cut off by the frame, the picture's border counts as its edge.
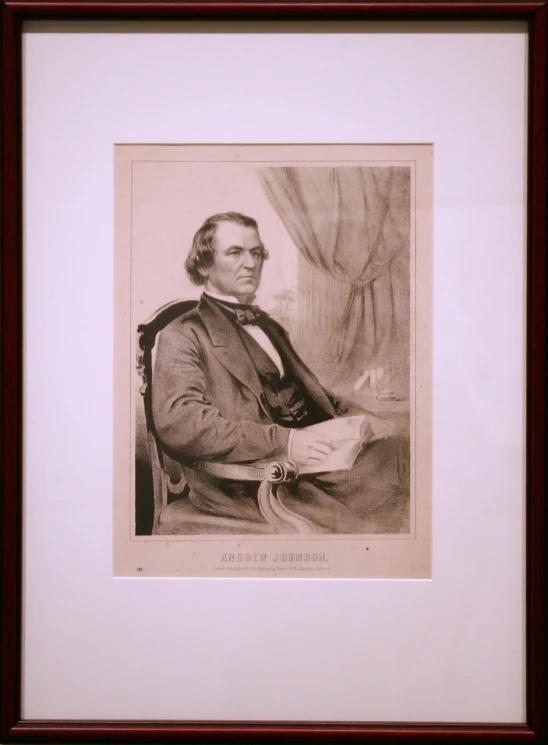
(228, 387)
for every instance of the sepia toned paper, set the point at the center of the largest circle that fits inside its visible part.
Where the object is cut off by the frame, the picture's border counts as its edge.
(348, 231)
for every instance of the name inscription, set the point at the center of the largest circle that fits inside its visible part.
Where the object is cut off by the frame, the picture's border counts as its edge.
(278, 558)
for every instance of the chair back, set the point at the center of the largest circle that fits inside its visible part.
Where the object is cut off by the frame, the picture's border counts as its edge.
(146, 339)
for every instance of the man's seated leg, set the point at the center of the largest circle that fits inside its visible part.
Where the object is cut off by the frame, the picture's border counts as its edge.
(372, 497)
(380, 473)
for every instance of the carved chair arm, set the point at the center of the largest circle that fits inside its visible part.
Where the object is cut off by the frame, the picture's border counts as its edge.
(273, 477)
(276, 471)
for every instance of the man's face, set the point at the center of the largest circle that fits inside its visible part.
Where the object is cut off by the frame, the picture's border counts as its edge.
(238, 262)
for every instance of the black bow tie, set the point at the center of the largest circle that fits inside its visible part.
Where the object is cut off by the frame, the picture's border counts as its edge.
(251, 316)
(246, 315)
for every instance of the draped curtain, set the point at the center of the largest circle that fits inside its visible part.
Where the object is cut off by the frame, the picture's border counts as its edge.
(352, 225)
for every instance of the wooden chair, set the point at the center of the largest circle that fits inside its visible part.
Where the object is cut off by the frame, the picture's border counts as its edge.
(270, 476)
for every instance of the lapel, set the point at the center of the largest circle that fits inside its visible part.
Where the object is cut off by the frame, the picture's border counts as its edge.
(228, 347)
(230, 351)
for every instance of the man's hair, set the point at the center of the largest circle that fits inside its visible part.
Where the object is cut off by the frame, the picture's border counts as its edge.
(202, 253)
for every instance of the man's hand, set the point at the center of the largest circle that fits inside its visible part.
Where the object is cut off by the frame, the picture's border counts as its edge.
(308, 448)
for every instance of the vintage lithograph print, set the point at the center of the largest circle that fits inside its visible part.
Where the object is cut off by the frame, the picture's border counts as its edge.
(273, 361)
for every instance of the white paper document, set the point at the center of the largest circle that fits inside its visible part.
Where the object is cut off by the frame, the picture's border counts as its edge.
(347, 436)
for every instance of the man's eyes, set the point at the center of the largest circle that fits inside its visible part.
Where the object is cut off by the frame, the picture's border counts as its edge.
(257, 254)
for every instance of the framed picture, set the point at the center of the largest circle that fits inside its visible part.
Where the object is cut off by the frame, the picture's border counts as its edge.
(274, 371)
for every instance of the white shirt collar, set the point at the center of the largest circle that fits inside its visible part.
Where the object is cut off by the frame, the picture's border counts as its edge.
(227, 298)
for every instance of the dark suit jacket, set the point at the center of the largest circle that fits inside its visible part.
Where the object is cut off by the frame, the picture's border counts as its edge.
(208, 402)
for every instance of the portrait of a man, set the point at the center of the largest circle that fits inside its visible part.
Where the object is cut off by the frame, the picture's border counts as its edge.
(228, 386)
(274, 312)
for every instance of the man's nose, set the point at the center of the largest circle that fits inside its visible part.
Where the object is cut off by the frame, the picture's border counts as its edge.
(250, 260)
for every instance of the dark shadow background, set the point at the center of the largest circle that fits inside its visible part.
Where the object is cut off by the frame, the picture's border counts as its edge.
(144, 503)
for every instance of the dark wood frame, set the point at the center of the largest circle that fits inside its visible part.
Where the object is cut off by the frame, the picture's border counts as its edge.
(14, 14)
